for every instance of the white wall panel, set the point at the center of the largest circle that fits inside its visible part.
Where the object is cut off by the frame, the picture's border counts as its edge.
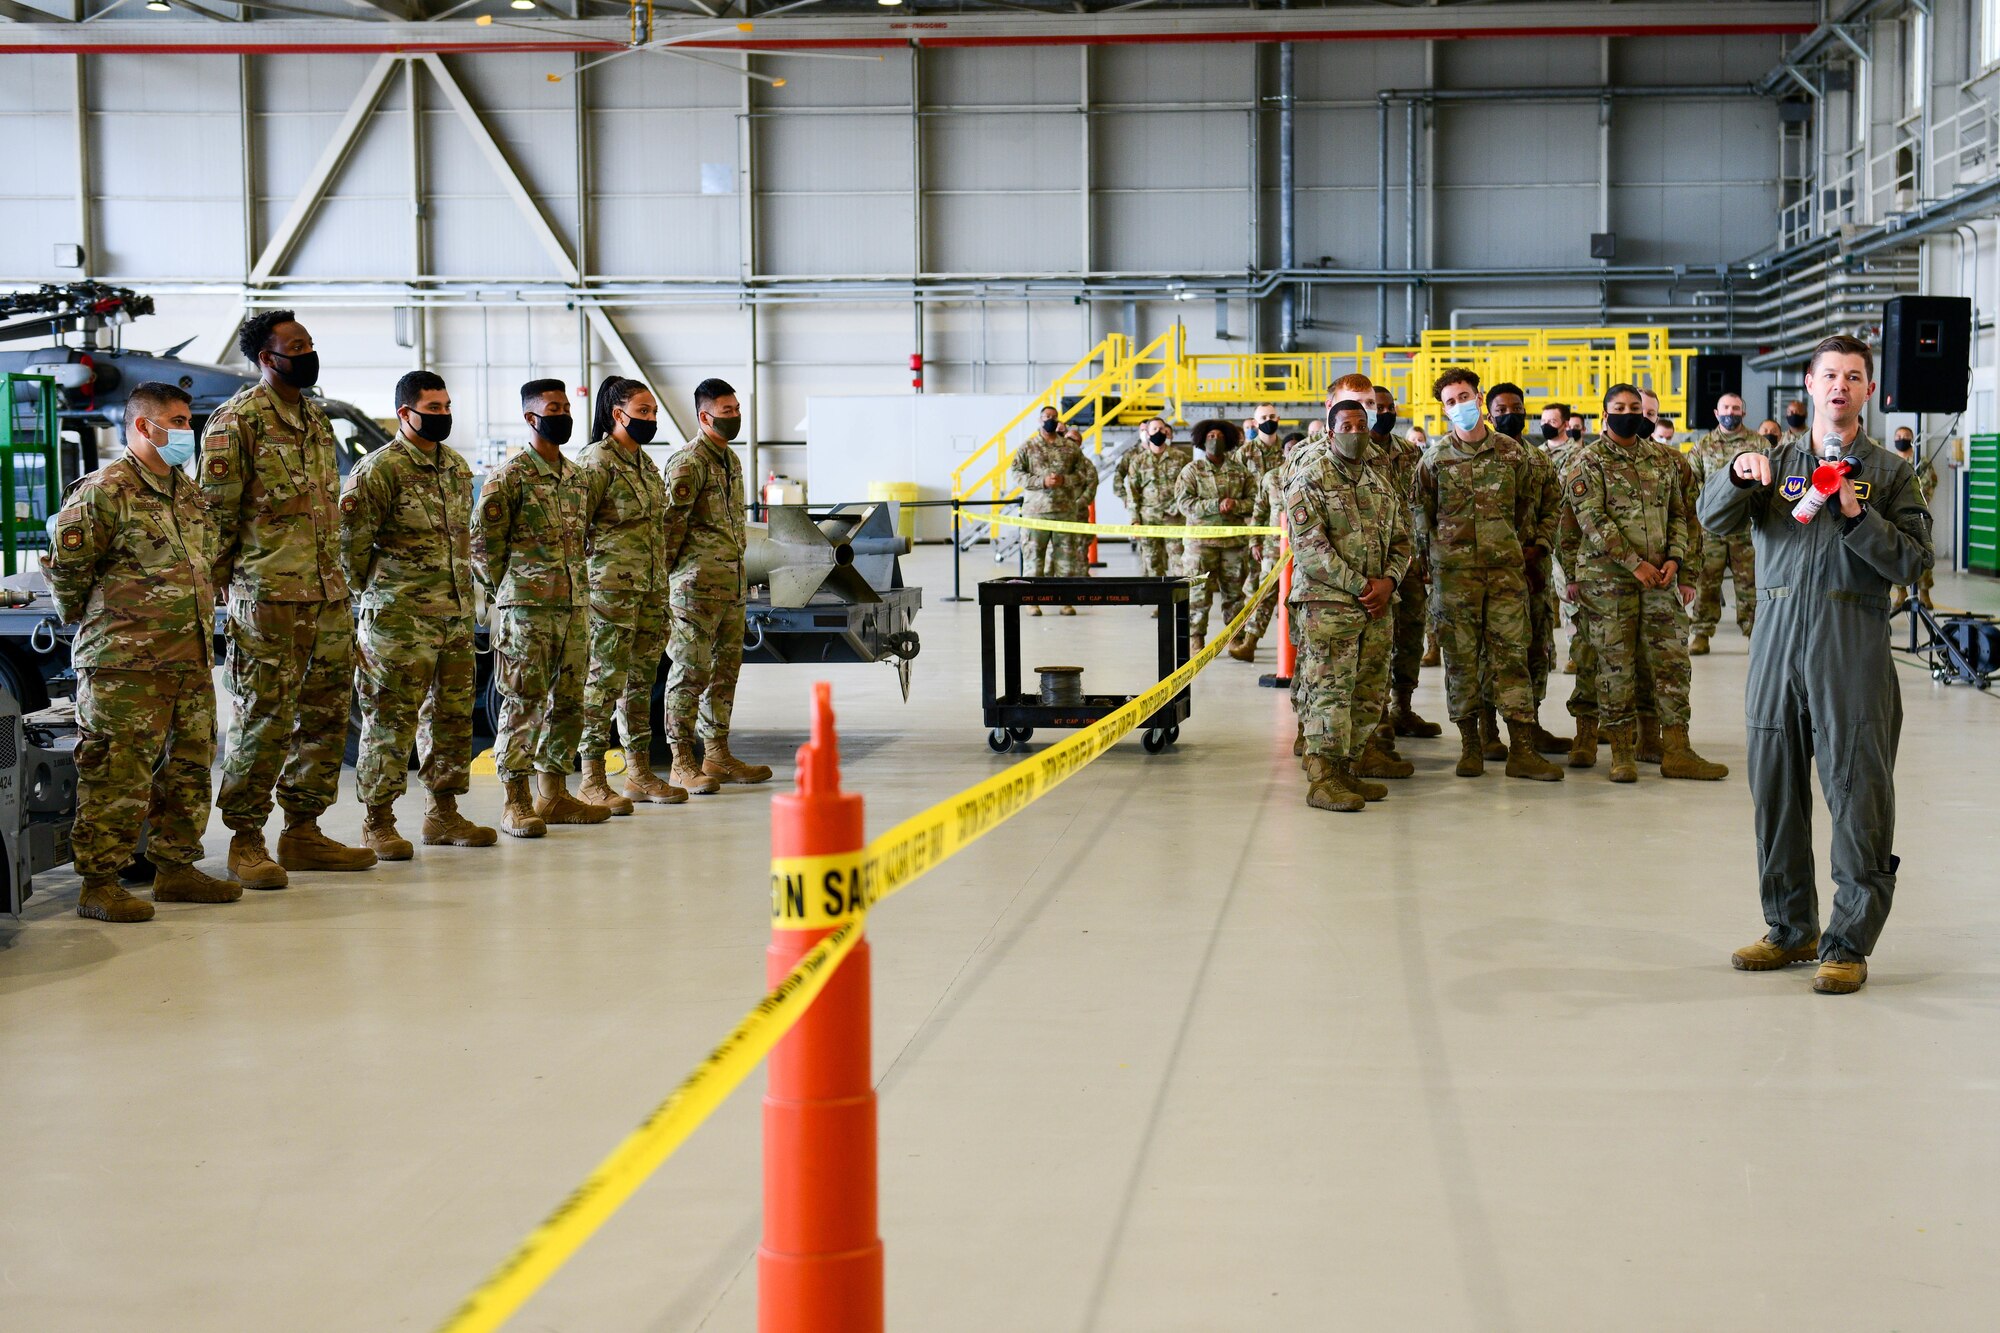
(1002, 76)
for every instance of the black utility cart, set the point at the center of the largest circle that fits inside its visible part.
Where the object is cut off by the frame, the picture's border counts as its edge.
(1013, 713)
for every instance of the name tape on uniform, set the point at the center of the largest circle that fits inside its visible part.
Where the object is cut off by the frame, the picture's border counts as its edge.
(1128, 529)
(813, 893)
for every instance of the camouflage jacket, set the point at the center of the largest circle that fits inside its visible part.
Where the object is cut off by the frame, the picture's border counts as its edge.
(1481, 503)
(131, 569)
(1260, 454)
(273, 496)
(528, 545)
(1715, 449)
(627, 505)
(1927, 480)
(1398, 460)
(1629, 504)
(1040, 458)
(1146, 480)
(406, 524)
(1567, 534)
(1348, 524)
(1201, 489)
(704, 534)
(1690, 497)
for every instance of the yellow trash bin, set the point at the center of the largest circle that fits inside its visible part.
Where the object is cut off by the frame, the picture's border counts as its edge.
(902, 493)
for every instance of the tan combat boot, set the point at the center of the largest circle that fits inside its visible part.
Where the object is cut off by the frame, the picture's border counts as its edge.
(1067, 611)
(1490, 742)
(1651, 747)
(1583, 750)
(1471, 751)
(1547, 742)
(250, 861)
(1324, 791)
(1764, 956)
(1522, 760)
(1836, 978)
(1197, 642)
(517, 816)
(378, 833)
(597, 791)
(1244, 647)
(554, 804)
(643, 784)
(1344, 774)
(1624, 753)
(1569, 665)
(1678, 759)
(1034, 610)
(304, 846)
(1431, 657)
(1376, 763)
(1299, 740)
(103, 898)
(188, 884)
(688, 775)
(1698, 647)
(718, 763)
(1408, 723)
(445, 827)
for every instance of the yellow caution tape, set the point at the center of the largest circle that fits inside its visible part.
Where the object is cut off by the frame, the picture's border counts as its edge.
(811, 893)
(1128, 529)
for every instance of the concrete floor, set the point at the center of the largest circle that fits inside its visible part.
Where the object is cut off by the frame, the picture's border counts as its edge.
(1168, 1052)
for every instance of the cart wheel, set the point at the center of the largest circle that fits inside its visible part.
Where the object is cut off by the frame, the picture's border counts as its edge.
(997, 740)
(1021, 735)
(1174, 734)
(1155, 740)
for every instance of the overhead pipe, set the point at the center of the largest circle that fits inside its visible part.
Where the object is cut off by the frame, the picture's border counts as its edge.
(1288, 314)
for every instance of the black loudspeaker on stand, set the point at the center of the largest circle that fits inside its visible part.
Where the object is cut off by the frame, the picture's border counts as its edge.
(1926, 353)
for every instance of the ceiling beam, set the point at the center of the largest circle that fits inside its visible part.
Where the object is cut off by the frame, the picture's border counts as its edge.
(24, 14)
(331, 159)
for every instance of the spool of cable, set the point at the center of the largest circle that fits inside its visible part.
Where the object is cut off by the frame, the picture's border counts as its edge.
(1062, 686)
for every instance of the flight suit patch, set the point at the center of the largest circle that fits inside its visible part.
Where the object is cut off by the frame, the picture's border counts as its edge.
(1861, 489)
(1793, 488)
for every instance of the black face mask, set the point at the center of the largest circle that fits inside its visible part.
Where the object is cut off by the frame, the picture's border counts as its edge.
(1646, 427)
(1629, 424)
(1771, 437)
(1049, 426)
(556, 430)
(641, 431)
(1268, 427)
(1510, 423)
(1796, 420)
(1158, 437)
(434, 426)
(1384, 423)
(1729, 420)
(301, 371)
(1549, 432)
(1574, 432)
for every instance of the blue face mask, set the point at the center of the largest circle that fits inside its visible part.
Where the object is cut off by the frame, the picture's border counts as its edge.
(178, 449)
(1463, 416)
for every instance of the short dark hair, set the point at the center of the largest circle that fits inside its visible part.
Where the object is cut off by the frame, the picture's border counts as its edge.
(534, 389)
(1560, 407)
(1617, 389)
(154, 396)
(1842, 345)
(710, 389)
(1292, 437)
(1453, 375)
(254, 334)
(415, 385)
(1505, 386)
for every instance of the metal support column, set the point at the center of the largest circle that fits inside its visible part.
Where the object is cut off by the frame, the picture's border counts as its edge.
(1288, 307)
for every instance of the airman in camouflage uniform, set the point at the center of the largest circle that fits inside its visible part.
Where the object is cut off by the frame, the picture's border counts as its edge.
(272, 486)
(528, 550)
(406, 526)
(1268, 512)
(1628, 501)
(1927, 480)
(1263, 450)
(1051, 472)
(1506, 406)
(1215, 491)
(628, 600)
(1795, 429)
(1145, 480)
(1398, 459)
(706, 595)
(1480, 509)
(1734, 556)
(130, 568)
(1351, 546)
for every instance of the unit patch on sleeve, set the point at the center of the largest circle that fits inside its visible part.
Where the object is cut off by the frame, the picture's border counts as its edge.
(349, 503)
(1578, 487)
(72, 538)
(683, 492)
(218, 466)
(492, 509)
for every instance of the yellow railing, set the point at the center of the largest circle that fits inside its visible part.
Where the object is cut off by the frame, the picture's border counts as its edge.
(1114, 384)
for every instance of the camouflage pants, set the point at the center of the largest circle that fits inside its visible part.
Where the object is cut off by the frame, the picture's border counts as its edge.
(1406, 655)
(144, 744)
(705, 641)
(1631, 626)
(1544, 611)
(1735, 557)
(414, 676)
(1057, 554)
(540, 655)
(1259, 623)
(1343, 670)
(1156, 554)
(1222, 569)
(628, 632)
(1583, 691)
(1482, 621)
(291, 675)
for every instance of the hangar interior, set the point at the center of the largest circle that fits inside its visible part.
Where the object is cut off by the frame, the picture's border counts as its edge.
(1169, 1052)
